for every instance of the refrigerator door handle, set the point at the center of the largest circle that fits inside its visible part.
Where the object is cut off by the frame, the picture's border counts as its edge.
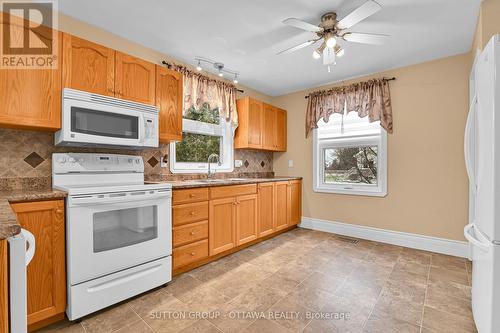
(472, 239)
(467, 138)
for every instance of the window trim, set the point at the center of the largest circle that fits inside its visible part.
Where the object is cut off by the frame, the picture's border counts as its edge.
(224, 129)
(364, 190)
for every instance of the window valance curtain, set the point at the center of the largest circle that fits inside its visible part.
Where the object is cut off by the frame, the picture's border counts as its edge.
(200, 89)
(370, 98)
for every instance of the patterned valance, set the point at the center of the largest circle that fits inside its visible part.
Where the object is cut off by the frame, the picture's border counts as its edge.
(200, 89)
(370, 98)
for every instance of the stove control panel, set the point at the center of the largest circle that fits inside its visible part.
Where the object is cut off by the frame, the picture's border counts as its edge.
(90, 162)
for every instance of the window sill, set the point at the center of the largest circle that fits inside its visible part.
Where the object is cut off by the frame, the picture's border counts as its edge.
(358, 192)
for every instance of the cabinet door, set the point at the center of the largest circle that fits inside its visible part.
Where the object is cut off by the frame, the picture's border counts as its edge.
(246, 219)
(255, 113)
(280, 132)
(294, 202)
(135, 79)
(266, 209)
(281, 205)
(268, 127)
(169, 101)
(222, 226)
(88, 66)
(31, 98)
(46, 276)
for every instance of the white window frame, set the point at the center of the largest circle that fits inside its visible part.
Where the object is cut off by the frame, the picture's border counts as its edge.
(379, 140)
(223, 129)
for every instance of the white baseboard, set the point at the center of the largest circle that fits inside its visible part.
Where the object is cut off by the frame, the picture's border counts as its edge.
(420, 242)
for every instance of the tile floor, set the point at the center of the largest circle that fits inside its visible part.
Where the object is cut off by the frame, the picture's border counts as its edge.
(303, 281)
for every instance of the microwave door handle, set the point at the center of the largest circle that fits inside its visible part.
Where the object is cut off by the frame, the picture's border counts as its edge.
(141, 128)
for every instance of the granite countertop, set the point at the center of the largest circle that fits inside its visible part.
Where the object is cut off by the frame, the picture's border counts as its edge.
(8, 222)
(224, 182)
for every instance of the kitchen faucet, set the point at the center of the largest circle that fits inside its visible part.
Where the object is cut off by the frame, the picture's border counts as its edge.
(212, 156)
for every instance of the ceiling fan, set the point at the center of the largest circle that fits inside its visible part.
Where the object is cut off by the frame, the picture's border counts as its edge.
(330, 30)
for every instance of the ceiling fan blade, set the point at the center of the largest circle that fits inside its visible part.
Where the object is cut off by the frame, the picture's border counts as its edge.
(297, 47)
(359, 14)
(357, 37)
(302, 25)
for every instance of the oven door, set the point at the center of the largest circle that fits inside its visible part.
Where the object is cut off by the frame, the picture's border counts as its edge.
(111, 232)
(94, 123)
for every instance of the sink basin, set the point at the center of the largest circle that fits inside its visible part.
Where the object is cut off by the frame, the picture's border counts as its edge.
(210, 180)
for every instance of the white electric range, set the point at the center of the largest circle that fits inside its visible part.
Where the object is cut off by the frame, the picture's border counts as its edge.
(118, 229)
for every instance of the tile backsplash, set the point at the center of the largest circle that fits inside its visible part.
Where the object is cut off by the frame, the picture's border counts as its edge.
(28, 154)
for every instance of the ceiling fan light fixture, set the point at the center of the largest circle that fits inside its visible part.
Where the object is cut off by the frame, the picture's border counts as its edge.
(235, 80)
(331, 41)
(198, 67)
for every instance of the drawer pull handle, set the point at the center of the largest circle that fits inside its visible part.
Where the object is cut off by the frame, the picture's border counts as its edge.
(193, 254)
(191, 195)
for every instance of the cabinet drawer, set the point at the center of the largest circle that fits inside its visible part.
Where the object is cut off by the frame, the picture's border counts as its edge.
(232, 191)
(192, 212)
(190, 195)
(189, 233)
(190, 253)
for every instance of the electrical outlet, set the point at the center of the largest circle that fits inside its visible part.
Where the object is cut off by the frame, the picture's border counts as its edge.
(238, 163)
(164, 161)
(290, 163)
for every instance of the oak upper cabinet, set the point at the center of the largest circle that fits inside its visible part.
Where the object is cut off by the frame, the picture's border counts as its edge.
(250, 120)
(88, 66)
(266, 202)
(134, 79)
(246, 219)
(169, 101)
(261, 126)
(46, 276)
(31, 98)
(281, 205)
(294, 202)
(222, 225)
(280, 130)
(269, 127)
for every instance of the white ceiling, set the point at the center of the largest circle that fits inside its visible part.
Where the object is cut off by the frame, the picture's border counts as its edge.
(246, 35)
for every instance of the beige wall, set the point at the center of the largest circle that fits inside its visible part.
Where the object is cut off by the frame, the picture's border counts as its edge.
(100, 36)
(488, 24)
(427, 182)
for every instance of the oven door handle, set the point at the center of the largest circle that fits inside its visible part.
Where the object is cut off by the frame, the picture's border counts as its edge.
(116, 198)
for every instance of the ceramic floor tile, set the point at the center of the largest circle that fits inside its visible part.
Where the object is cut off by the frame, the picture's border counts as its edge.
(329, 283)
(443, 322)
(111, 320)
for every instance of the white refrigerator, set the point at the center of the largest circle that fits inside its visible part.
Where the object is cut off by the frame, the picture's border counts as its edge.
(482, 158)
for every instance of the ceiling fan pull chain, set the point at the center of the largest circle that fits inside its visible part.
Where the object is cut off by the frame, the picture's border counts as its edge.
(342, 125)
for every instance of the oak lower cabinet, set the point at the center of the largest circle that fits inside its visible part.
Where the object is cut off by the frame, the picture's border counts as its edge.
(281, 205)
(294, 202)
(189, 226)
(266, 208)
(46, 275)
(246, 219)
(222, 225)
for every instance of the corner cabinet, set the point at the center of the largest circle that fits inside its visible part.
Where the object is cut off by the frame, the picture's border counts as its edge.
(46, 276)
(261, 126)
(169, 97)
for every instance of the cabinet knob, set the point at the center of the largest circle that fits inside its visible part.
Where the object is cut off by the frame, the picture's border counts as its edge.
(193, 254)
(192, 213)
(191, 195)
(192, 233)
(59, 211)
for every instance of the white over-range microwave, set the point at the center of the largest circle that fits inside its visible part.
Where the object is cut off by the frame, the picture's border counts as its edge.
(95, 120)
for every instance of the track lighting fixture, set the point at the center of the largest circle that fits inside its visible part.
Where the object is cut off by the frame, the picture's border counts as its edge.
(219, 67)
